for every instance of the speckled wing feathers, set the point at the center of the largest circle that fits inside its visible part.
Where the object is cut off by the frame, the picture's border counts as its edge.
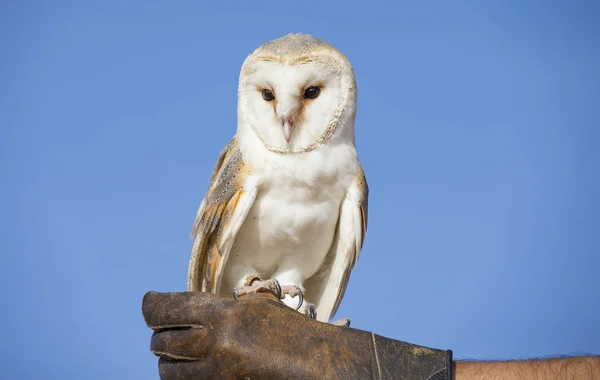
(222, 211)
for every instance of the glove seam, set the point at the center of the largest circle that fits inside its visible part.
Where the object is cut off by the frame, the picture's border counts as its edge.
(449, 365)
(164, 354)
(376, 356)
(176, 326)
(443, 369)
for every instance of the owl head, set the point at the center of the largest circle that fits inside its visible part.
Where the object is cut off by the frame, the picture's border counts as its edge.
(296, 93)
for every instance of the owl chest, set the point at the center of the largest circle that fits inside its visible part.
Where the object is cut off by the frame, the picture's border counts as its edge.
(295, 213)
(296, 209)
(284, 221)
(295, 216)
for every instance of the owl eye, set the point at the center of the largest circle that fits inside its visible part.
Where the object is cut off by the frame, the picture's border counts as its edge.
(268, 95)
(312, 92)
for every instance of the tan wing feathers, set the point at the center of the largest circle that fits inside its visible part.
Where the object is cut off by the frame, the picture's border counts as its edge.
(217, 190)
(219, 206)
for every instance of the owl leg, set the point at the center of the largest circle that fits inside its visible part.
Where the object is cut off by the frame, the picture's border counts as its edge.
(254, 284)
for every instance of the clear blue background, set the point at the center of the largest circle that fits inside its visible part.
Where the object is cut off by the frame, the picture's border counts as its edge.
(478, 126)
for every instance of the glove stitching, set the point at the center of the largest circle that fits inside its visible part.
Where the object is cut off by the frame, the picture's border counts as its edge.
(376, 356)
(436, 372)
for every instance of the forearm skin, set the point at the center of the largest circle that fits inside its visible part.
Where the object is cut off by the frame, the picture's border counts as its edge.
(571, 368)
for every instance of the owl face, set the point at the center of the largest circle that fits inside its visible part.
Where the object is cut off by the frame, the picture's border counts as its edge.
(295, 98)
(292, 105)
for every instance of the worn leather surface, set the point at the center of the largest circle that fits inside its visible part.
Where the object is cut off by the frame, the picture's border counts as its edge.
(203, 336)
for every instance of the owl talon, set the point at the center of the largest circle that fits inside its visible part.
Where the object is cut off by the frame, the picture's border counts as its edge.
(300, 299)
(293, 291)
(311, 311)
(236, 294)
(278, 289)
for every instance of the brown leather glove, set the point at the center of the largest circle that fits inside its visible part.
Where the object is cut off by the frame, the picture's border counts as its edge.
(203, 336)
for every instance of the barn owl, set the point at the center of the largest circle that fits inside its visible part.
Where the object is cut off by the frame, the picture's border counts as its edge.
(286, 208)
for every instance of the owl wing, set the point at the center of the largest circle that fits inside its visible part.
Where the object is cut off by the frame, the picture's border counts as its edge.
(229, 197)
(329, 284)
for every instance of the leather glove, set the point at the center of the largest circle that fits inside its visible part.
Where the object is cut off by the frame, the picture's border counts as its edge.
(203, 336)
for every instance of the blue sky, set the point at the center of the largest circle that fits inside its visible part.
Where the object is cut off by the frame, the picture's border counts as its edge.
(478, 128)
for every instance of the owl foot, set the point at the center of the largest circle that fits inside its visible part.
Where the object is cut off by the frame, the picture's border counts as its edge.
(311, 312)
(255, 284)
(344, 322)
(293, 291)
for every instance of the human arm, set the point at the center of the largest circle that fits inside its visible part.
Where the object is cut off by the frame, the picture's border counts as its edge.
(568, 368)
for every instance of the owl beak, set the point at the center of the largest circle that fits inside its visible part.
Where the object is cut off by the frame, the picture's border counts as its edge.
(288, 128)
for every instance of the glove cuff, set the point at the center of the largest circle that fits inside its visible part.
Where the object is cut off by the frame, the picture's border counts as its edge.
(405, 361)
